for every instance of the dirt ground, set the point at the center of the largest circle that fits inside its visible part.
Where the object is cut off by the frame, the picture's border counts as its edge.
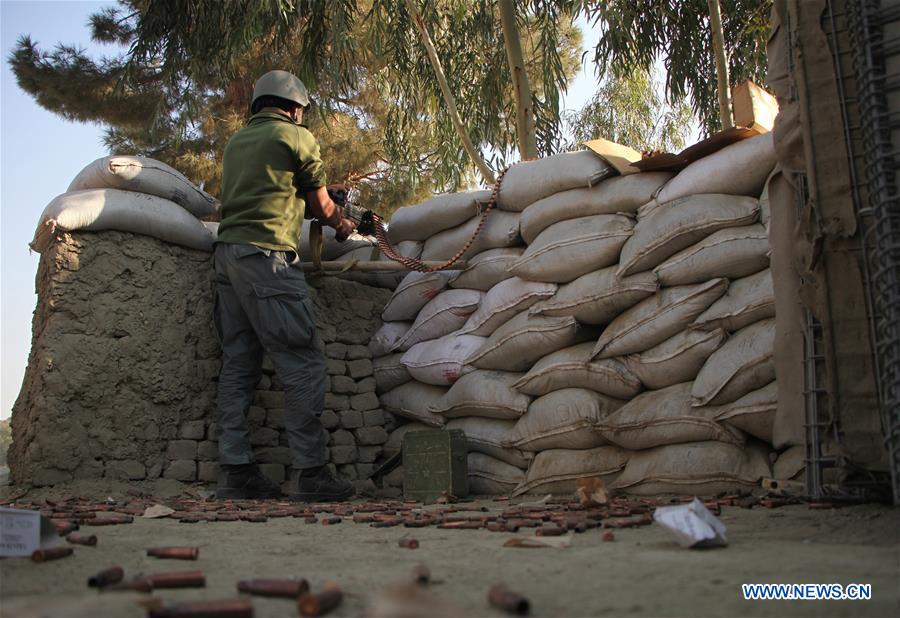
(642, 573)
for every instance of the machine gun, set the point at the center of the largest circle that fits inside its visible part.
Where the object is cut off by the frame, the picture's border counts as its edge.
(346, 199)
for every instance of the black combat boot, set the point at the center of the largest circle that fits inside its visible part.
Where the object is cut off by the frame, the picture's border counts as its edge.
(320, 485)
(245, 482)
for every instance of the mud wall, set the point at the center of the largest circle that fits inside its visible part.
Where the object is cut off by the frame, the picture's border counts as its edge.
(121, 378)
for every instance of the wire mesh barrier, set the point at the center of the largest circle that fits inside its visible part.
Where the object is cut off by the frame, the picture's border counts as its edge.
(874, 29)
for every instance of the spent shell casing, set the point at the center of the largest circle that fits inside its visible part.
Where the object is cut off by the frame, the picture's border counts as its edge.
(330, 521)
(320, 603)
(106, 577)
(230, 608)
(503, 598)
(550, 531)
(286, 588)
(138, 584)
(608, 536)
(408, 543)
(51, 553)
(421, 574)
(82, 539)
(174, 553)
(184, 579)
(64, 526)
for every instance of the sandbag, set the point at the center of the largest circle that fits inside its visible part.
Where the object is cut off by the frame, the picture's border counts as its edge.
(94, 210)
(491, 476)
(790, 464)
(500, 230)
(389, 372)
(502, 302)
(412, 400)
(413, 293)
(753, 413)
(395, 440)
(570, 368)
(655, 319)
(744, 363)
(598, 297)
(568, 249)
(677, 359)
(525, 339)
(563, 419)
(738, 169)
(529, 181)
(489, 436)
(487, 269)
(695, 468)
(145, 175)
(731, 253)
(387, 338)
(747, 300)
(656, 418)
(483, 393)
(442, 315)
(557, 471)
(677, 225)
(442, 212)
(440, 361)
(388, 280)
(621, 194)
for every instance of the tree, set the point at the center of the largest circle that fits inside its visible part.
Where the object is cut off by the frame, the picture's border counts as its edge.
(629, 110)
(637, 34)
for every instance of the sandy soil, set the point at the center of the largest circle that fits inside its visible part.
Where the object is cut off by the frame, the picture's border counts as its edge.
(642, 573)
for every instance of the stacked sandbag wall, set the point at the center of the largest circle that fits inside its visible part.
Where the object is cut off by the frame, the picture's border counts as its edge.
(612, 326)
(121, 378)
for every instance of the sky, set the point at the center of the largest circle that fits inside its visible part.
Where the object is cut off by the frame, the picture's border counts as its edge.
(40, 153)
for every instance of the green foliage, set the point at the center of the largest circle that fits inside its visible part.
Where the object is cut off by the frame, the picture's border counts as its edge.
(630, 111)
(637, 34)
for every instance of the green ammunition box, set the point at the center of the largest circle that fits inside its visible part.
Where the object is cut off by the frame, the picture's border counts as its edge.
(434, 462)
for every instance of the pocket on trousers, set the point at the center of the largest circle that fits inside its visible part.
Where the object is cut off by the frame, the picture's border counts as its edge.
(285, 314)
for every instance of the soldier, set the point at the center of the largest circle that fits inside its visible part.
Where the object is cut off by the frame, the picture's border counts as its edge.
(272, 177)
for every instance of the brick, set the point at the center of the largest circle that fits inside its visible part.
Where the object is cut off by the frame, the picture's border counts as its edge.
(50, 476)
(365, 470)
(366, 401)
(154, 471)
(207, 450)
(355, 352)
(342, 437)
(275, 454)
(275, 419)
(366, 385)
(362, 308)
(367, 436)
(256, 415)
(336, 350)
(335, 367)
(327, 332)
(330, 419)
(361, 368)
(267, 365)
(344, 454)
(368, 454)
(129, 470)
(273, 472)
(269, 399)
(182, 449)
(193, 430)
(343, 385)
(212, 432)
(353, 335)
(336, 402)
(373, 418)
(208, 471)
(264, 437)
(351, 419)
(265, 383)
(365, 487)
(277, 384)
(348, 472)
(181, 470)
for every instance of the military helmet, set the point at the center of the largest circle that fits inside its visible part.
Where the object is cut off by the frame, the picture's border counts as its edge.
(281, 84)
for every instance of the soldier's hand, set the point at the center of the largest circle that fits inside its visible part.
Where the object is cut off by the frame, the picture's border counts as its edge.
(344, 229)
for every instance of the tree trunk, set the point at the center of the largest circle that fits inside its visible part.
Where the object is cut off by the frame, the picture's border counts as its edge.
(524, 110)
(718, 41)
(450, 101)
